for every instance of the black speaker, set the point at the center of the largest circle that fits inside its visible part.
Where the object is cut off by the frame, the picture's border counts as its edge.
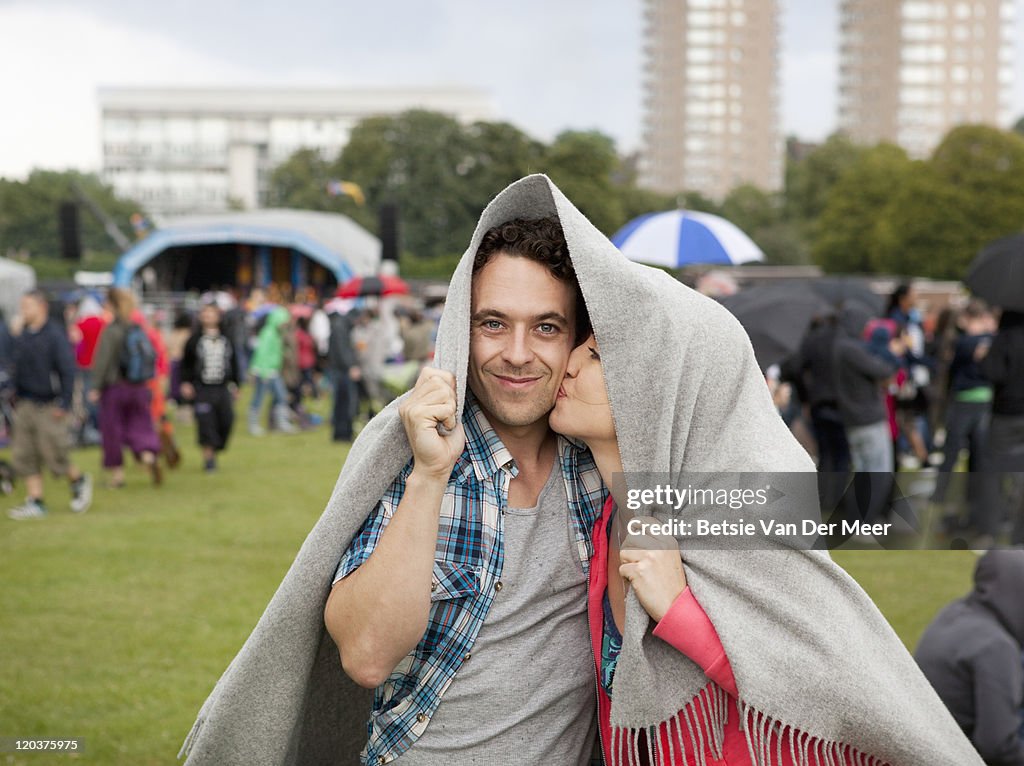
(389, 232)
(70, 236)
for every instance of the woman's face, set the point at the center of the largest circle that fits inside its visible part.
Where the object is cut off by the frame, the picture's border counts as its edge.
(582, 409)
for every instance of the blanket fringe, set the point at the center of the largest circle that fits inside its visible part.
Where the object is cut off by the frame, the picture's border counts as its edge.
(190, 739)
(700, 729)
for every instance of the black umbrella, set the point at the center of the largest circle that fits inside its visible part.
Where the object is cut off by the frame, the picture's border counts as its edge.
(997, 273)
(776, 317)
(839, 291)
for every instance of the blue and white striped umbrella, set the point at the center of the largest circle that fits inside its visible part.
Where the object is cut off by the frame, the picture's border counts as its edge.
(680, 237)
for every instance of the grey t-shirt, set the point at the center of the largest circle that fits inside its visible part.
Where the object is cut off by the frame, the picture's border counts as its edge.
(527, 693)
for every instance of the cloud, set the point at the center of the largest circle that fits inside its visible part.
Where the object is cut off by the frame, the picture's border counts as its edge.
(54, 59)
(548, 65)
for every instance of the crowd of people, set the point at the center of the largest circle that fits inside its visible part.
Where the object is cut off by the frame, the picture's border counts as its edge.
(903, 390)
(107, 374)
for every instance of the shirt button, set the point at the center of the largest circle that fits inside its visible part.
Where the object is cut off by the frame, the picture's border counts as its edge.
(421, 717)
(498, 585)
(381, 759)
(466, 656)
(433, 587)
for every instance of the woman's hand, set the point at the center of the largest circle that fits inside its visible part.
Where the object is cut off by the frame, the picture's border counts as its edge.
(654, 567)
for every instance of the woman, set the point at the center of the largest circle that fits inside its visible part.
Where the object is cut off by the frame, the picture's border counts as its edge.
(125, 418)
(157, 386)
(583, 411)
(911, 401)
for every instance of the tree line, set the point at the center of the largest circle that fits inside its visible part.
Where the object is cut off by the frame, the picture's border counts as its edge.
(847, 208)
(29, 221)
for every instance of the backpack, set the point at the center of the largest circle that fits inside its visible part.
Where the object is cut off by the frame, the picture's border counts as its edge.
(138, 357)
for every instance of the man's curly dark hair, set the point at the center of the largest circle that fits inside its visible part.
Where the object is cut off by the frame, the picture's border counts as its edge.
(540, 240)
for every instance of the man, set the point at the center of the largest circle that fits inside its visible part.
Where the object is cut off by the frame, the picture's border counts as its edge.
(462, 599)
(815, 364)
(971, 654)
(209, 380)
(859, 375)
(343, 372)
(44, 379)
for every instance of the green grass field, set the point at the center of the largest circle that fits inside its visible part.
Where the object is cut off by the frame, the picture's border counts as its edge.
(116, 624)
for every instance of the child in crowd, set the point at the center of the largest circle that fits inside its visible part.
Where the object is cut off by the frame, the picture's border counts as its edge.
(209, 379)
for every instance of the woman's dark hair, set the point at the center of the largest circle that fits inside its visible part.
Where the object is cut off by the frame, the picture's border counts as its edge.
(302, 323)
(897, 297)
(543, 241)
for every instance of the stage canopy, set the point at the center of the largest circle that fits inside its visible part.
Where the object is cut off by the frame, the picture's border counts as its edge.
(251, 249)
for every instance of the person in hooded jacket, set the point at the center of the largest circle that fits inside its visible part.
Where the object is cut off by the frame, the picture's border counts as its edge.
(859, 374)
(817, 379)
(971, 654)
(267, 368)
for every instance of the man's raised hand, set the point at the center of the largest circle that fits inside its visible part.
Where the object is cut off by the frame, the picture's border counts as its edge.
(433, 402)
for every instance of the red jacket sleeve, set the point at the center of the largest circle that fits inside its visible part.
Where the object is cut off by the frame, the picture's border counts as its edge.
(686, 627)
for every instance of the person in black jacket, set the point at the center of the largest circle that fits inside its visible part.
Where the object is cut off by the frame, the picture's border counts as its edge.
(1003, 365)
(209, 379)
(6, 350)
(43, 378)
(342, 368)
(971, 654)
(859, 375)
(817, 383)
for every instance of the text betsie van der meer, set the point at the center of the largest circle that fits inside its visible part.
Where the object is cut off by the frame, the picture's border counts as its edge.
(734, 499)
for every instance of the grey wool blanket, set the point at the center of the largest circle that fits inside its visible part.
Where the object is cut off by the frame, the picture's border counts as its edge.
(819, 671)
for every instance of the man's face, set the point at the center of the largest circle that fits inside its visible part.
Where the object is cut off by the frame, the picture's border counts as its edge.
(521, 333)
(209, 317)
(32, 309)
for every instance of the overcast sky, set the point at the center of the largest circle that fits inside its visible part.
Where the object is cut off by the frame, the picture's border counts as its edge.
(547, 64)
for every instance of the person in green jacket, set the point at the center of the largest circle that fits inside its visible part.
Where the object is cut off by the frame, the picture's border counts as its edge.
(267, 362)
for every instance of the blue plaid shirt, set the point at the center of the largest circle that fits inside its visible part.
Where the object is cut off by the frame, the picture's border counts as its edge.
(467, 568)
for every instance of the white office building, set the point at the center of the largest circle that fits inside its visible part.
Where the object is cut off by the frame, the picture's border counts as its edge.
(201, 150)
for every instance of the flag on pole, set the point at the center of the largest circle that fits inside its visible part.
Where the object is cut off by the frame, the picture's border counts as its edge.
(347, 188)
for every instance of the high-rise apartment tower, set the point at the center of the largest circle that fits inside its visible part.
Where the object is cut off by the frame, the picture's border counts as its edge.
(711, 96)
(911, 70)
